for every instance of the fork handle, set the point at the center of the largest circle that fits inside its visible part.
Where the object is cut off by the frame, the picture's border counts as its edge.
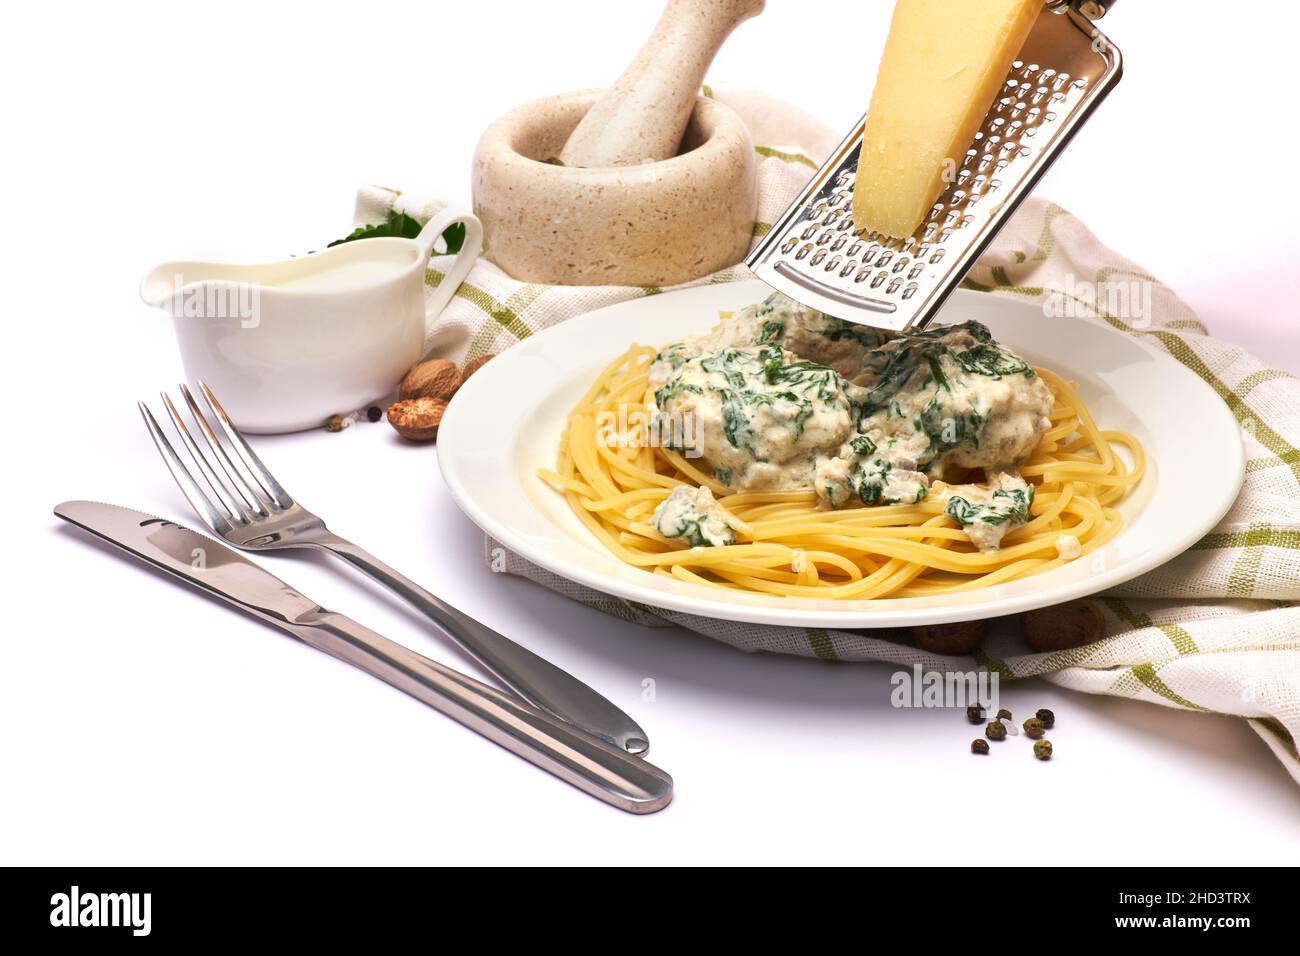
(533, 678)
(591, 765)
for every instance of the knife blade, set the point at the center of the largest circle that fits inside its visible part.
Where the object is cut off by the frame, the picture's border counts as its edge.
(590, 764)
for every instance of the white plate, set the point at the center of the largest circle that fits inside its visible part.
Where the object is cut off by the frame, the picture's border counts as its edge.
(506, 423)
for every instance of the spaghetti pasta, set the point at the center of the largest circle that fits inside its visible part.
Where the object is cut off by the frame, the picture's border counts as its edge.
(614, 473)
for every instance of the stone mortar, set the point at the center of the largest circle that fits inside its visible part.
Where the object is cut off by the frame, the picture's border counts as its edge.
(654, 224)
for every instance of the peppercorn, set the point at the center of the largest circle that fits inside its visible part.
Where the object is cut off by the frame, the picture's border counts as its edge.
(374, 413)
(334, 423)
(1033, 728)
(1047, 717)
(1043, 749)
(975, 714)
(979, 746)
(1004, 714)
(996, 730)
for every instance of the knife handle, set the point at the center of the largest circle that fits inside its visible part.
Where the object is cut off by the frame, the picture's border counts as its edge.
(588, 763)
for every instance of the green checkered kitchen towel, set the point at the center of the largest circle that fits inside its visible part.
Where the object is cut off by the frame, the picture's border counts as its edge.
(1216, 629)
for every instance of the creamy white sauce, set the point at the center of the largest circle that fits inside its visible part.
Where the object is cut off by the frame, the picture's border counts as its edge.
(760, 415)
(345, 275)
(693, 517)
(809, 334)
(1068, 547)
(890, 414)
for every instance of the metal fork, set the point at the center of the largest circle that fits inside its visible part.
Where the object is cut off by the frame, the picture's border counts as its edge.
(259, 515)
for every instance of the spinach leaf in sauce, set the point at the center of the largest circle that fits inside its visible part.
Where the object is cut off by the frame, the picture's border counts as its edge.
(993, 361)
(862, 445)
(771, 332)
(675, 354)
(736, 424)
(1007, 507)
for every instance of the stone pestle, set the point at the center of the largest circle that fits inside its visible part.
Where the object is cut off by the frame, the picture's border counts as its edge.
(642, 117)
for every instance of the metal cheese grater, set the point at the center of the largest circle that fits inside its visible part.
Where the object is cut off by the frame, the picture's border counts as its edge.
(814, 254)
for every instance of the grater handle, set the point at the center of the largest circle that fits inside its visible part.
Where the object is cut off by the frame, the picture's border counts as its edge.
(1092, 9)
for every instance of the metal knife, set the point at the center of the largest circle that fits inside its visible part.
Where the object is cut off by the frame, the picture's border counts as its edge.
(592, 765)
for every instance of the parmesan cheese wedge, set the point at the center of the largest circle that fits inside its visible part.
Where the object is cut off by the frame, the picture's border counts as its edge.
(944, 63)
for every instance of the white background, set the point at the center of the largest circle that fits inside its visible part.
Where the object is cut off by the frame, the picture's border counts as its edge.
(144, 725)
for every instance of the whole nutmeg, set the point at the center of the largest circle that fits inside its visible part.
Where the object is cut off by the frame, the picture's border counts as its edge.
(1064, 626)
(436, 378)
(417, 419)
(950, 639)
(473, 366)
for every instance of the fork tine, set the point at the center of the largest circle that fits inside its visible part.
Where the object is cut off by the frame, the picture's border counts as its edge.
(274, 490)
(237, 514)
(200, 502)
(255, 506)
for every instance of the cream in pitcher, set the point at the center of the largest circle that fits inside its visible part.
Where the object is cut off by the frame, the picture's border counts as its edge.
(287, 344)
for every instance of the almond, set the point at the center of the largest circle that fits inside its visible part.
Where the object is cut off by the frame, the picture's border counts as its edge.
(436, 378)
(417, 419)
(1062, 627)
(473, 366)
(950, 639)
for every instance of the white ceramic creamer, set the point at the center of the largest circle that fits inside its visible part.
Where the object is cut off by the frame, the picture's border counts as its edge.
(287, 344)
